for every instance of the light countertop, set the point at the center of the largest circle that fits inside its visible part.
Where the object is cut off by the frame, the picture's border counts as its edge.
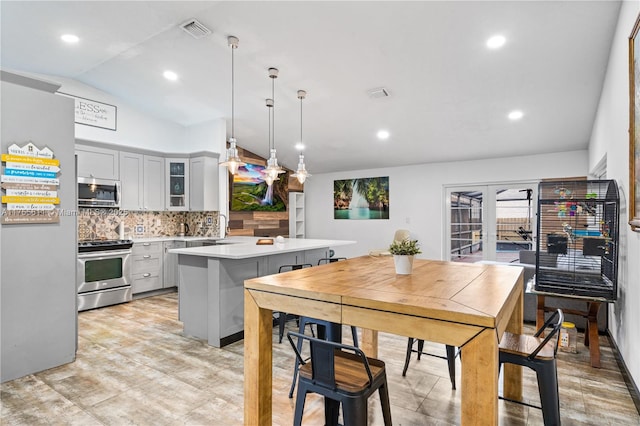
(246, 247)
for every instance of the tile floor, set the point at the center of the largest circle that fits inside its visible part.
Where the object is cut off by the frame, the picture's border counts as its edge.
(134, 367)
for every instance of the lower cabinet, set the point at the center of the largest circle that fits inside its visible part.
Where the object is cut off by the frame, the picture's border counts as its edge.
(147, 271)
(171, 271)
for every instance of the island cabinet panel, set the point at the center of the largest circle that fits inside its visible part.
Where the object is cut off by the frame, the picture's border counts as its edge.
(212, 279)
(147, 271)
(211, 300)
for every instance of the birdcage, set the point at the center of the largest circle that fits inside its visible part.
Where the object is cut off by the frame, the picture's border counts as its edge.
(577, 238)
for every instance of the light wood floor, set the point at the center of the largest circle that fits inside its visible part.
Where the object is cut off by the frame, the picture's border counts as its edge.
(134, 366)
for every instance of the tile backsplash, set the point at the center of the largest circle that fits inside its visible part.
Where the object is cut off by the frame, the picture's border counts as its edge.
(104, 224)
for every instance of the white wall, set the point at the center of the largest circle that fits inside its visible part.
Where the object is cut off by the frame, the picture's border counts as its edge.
(610, 137)
(417, 195)
(139, 130)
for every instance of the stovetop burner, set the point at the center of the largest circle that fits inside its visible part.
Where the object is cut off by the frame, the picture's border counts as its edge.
(104, 245)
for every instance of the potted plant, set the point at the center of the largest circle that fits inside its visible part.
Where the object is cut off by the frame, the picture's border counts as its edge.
(403, 252)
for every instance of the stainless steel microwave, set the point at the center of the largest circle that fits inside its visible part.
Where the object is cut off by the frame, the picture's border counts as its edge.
(98, 193)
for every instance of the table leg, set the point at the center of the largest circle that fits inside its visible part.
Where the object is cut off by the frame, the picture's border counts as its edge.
(512, 377)
(257, 362)
(591, 334)
(369, 343)
(540, 313)
(479, 400)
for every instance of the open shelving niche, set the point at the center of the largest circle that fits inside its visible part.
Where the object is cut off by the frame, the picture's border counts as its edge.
(296, 215)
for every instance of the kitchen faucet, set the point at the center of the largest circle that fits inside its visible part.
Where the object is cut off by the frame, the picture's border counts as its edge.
(226, 222)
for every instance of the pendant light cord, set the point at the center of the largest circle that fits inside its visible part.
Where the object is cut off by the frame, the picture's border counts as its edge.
(301, 119)
(273, 113)
(232, 95)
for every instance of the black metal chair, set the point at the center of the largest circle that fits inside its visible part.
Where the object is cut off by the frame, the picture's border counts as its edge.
(282, 316)
(327, 330)
(539, 354)
(343, 375)
(326, 260)
(451, 358)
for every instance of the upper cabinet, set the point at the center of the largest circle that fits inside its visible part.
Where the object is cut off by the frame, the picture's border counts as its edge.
(142, 181)
(177, 183)
(131, 180)
(153, 188)
(203, 172)
(94, 162)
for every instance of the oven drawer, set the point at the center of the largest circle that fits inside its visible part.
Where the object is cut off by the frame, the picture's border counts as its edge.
(147, 248)
(146, 263)
(146, 282)
(98, 299)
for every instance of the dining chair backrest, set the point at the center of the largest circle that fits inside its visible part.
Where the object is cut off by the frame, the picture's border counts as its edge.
(323, 355)
(555, 323)
(285, 268)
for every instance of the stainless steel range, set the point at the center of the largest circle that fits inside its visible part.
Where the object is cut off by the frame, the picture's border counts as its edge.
(103, 273)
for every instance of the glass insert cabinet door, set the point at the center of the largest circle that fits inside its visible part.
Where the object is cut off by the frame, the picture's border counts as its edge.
(177, 174)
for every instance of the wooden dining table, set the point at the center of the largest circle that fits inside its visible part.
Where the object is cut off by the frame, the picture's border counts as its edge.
(465, 305)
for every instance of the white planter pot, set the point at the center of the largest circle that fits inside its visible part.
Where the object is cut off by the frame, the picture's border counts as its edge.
(403, 263)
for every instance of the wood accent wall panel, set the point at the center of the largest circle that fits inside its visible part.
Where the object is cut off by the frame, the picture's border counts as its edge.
(261, 224)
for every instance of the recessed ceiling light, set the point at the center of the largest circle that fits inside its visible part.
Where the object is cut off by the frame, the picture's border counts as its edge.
(70, 38)
(170, 75)
(300, 146)
(496, 42)
(515, 115)
(383, 134)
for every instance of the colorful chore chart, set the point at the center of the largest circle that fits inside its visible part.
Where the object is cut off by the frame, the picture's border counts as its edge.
(30, 184)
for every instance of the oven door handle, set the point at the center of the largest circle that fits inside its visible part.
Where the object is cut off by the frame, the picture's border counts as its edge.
(105, 254)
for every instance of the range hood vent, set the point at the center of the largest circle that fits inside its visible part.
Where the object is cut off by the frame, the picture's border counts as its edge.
(195, 29)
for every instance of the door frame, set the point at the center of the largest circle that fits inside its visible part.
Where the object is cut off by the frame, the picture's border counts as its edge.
(489, 228)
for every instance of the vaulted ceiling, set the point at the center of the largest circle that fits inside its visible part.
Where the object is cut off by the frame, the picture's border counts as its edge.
(449, 95)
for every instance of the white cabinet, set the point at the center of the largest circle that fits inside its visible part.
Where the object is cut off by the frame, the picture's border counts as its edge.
(153, 187)
(171, 271)
(177, 183)
(131, 180)
(142, 181)
(147, 272)
(296, 215)
(98, 163)
(203, 191)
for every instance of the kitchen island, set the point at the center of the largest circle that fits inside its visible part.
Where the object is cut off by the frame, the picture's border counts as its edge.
(211, 290)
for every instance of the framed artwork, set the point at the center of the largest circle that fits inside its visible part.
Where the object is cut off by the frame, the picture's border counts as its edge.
(93, 113)
(634, 128)
(363, 198)
(250, 192)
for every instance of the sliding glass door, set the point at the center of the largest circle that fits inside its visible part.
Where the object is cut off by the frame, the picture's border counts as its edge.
(490, 222)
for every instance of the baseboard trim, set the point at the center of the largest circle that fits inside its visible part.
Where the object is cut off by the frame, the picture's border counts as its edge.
(631, 385)
(232, 338)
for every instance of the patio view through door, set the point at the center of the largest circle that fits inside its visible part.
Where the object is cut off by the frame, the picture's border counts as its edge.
(490, 222)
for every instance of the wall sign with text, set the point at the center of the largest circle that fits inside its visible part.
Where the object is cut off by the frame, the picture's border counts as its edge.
(94, 113)
(30, 183)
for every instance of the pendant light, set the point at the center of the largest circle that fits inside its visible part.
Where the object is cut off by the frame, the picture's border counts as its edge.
(273, 169)
(268, 178)
(301, 174)
(233, 161)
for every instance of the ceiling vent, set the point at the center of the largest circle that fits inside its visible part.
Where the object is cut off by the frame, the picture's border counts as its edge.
(380, 92)
(195, 29)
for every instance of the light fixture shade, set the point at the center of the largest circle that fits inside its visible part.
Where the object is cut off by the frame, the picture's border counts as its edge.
(301, 174)
(233, 161)
(273, 169)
